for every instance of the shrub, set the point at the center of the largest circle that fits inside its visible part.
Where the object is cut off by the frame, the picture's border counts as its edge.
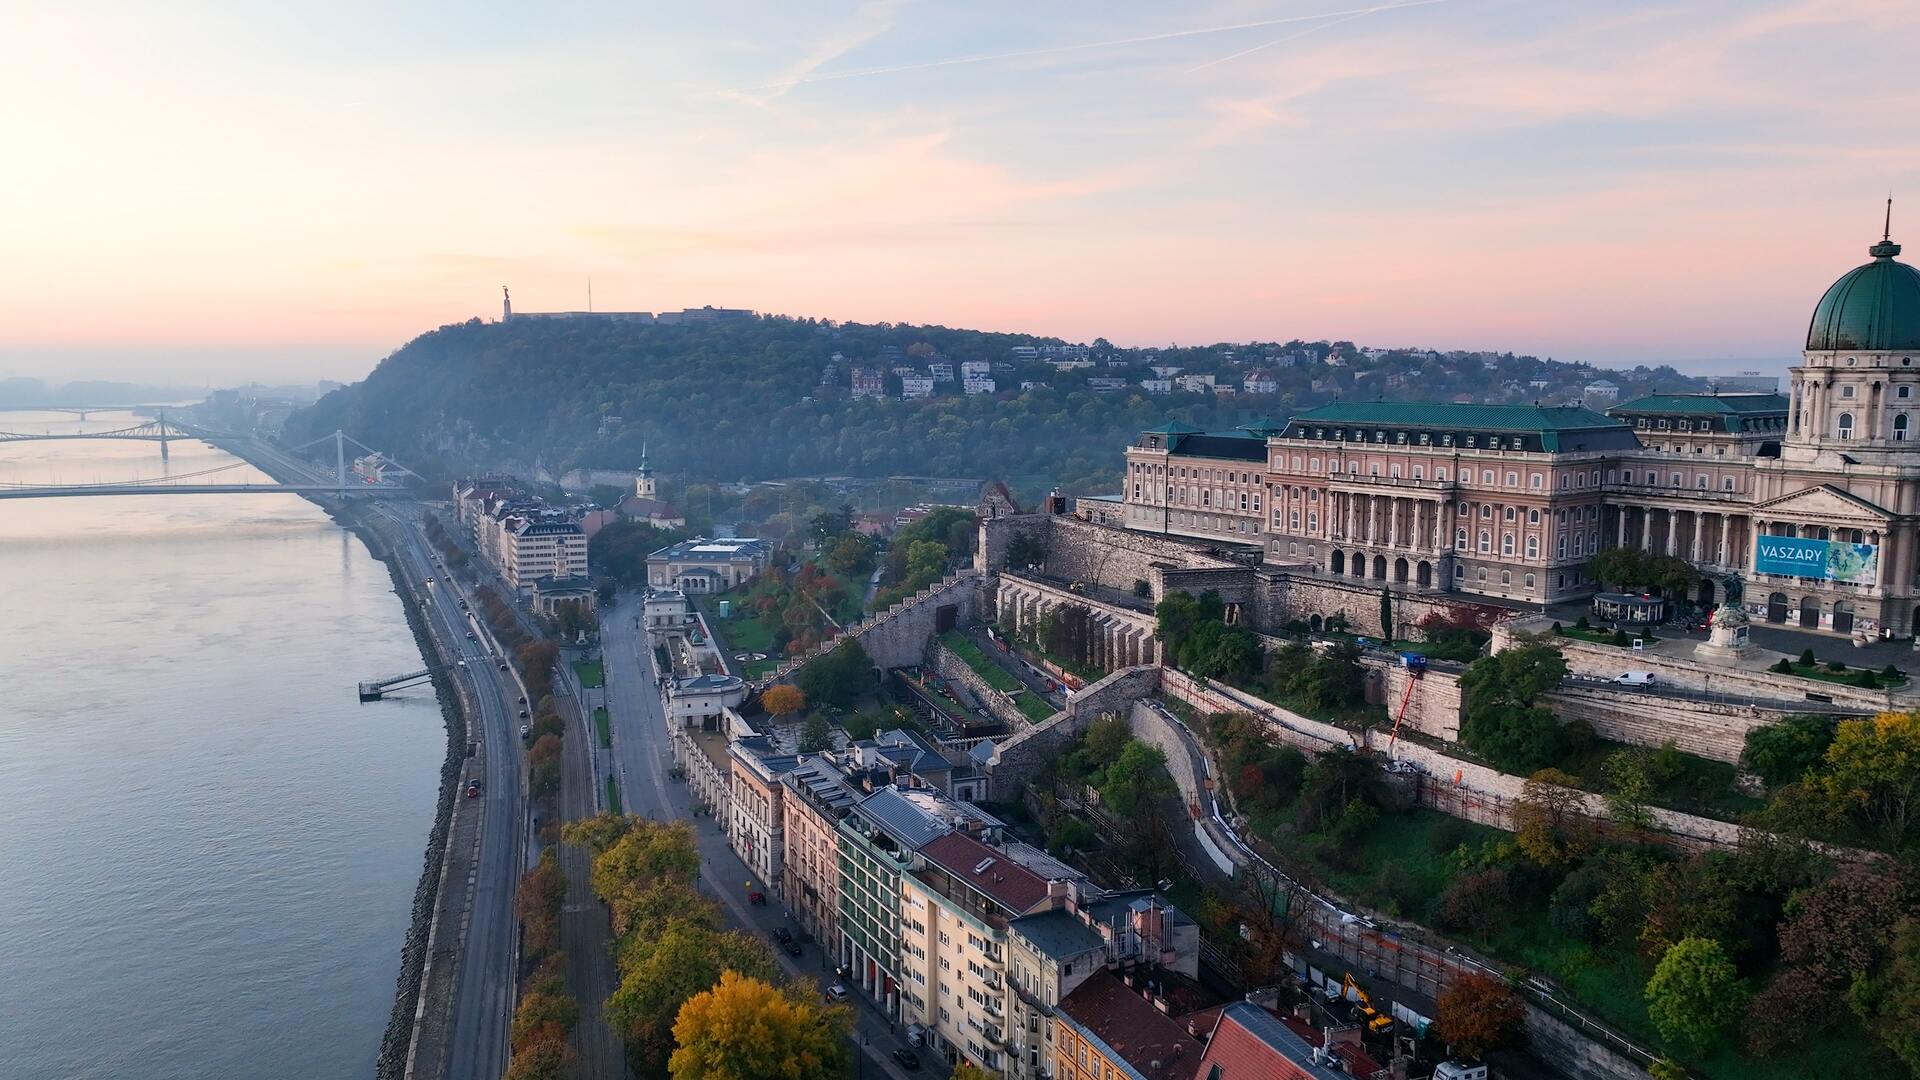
(1475, 903)
(1578, 736)
(1784, 666)
(1836, 665)
(1806, 658)
(1892, 674)
(1556, 627)
(1620, 638)
(1582, 624)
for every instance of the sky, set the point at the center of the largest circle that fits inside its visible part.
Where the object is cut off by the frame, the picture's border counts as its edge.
(216, 191)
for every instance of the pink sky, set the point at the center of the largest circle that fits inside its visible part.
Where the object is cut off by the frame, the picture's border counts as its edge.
(295, 195)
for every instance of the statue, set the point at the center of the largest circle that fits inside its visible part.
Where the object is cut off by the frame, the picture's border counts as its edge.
(1736, 590)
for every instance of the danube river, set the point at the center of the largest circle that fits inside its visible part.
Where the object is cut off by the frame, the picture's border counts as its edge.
(208, 847)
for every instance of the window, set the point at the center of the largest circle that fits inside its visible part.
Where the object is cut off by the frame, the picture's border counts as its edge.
(1460, 539)
(1459, 572)
(1900, 426)
(1533, 516)
(1534, 481)
(1676, 479)
(1486, 511)
(1486, 541)
(1727, 484)
(1563, 547)
(1846, 424)
(1510, 514)
(1313, 522)
(1506, 577)
(1846, 391)
(1700, 481)
(1506, 543)
(1529, 582)
(1513, 479)
(1394, 471)
(1486, 477)
(1418, 472)
(1903, 391)
(1440, 474)
(1533, 547)
(1481, 573)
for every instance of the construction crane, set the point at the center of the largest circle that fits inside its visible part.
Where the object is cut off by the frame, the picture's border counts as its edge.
(1377, 1021)
(1415, 664)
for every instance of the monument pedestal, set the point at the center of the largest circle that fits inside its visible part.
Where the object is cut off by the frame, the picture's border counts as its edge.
(1729, 640)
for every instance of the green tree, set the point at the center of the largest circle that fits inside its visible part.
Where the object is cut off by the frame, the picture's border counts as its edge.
(1872, 770)
(815, 736)
(1694, 994)
(744, 1029)
(1026, 551)
(1550, 819)
(1136, 778)
(851, 554)
(1890, 1003)
(838, 677)
(1502, 720)
(1629, 789)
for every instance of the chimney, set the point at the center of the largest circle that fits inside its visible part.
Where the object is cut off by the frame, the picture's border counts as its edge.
(1163, 1005)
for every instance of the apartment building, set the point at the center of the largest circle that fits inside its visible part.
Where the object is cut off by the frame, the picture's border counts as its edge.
(817, 796)
(756, 819)
(543, 547)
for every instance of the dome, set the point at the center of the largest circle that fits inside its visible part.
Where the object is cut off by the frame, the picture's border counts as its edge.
(1875, 306)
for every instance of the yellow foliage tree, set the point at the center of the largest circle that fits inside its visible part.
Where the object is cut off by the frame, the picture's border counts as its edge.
(967, 1070)
(783, 700)
(1872, 769)
(650, 852)
(745, 1029)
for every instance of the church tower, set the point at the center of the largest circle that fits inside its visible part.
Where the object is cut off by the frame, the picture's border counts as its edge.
(643, 483)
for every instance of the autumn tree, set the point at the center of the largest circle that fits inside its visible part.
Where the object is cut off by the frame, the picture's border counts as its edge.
(1550, 820)
(1873, 769)
(1694, 994)
(543, 765)
(745, 1029)
(1479, 1013)
(648, 854)
(1475, 903)
(967, 1070)
(537, 903)
(783, 700)
(661, 969)
(597, 833)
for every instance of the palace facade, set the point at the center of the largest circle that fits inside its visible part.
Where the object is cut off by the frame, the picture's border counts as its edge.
(1812, 498)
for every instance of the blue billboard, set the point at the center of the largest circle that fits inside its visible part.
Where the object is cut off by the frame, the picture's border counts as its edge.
(1828, 560)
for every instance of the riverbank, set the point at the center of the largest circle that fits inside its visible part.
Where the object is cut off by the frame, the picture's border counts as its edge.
(410, 1005)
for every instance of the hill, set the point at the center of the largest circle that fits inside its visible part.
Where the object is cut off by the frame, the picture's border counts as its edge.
(765, 397)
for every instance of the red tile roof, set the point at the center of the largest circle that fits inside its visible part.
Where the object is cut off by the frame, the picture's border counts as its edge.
(1252, 1043)
(1131, 1027)
(1006, 882)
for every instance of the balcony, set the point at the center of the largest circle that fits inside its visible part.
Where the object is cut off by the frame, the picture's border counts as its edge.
(1355, 481)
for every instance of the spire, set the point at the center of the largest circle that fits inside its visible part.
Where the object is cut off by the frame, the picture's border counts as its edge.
(1886, 248)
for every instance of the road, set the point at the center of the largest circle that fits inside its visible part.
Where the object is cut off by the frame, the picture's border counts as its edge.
(483, 1009)
(584, 933)
(641, 760)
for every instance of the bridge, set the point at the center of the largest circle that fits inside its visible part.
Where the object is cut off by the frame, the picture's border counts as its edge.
(296, 477)
(375, 689)
(159, 430)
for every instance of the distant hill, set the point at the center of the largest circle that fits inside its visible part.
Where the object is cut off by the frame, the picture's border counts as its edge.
(762, 398)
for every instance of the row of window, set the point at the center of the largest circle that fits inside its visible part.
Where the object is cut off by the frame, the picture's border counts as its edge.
(1590, 541)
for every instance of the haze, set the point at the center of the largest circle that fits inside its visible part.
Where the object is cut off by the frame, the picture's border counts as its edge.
(232, 192)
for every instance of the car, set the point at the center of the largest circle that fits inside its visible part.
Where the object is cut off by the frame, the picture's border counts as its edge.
(907, 1059)
(523, 701)
(835, 994)
(473, 789)
(461, 663)
(503, 665)
(526, 732)
(471, 637)
(523, 714)
(429, 581)
(782, 935)
(792, 947)
(1634, 678)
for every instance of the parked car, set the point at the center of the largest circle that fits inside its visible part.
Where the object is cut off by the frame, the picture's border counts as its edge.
(908, 1059)
(473, 789)
(792, 948)
(525, 731)
(523, 714)
(782, 935)
(503, 663)
(835, 994)
(1634, 678)
(757, 898)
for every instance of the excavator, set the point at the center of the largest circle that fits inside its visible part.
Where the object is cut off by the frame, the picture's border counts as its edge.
(1377, 1021)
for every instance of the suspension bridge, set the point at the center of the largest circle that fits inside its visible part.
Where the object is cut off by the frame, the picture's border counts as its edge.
(374, 476)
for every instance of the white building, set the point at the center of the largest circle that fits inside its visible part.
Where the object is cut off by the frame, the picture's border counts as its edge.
(1194, 384)
(707, 566)
(916, 386)
(979, 384)
(1157, 386)
(941, 370)
(542, 548)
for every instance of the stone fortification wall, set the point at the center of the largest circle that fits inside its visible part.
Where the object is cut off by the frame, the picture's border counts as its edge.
(898, 636)
(990, 552)
(1100, 554)
(1708, 729)
(1018, 760)
(1187, 768)
(1122, 637)
(947, 664)
(1434, 706)
(1301, 597)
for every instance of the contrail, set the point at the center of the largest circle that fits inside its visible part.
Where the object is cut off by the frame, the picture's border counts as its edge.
(1327, 25)
(1019, 54)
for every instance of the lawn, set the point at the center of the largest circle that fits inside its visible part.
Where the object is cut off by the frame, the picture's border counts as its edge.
(1035, 707)
(1605, 637)
(1845, 677)
(613, 796)
(983, 665)
(592, 674)
(602, 729)
(742, 633)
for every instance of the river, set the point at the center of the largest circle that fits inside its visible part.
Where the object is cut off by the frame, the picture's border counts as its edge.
(208, 847)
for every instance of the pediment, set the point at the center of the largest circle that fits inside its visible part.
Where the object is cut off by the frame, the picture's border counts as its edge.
(1823, 503)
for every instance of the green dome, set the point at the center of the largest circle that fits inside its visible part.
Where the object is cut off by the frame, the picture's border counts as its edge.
(1872, 307)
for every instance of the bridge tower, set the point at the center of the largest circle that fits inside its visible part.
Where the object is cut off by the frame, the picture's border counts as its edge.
(340, 457)
(161, 416)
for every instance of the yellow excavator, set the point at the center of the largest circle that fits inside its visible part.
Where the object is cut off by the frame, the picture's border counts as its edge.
(1377, 1021)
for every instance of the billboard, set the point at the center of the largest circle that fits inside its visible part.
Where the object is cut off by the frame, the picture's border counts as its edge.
(1828, 560)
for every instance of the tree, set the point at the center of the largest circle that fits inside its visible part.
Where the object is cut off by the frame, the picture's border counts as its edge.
(1135, 779)
(648, 853)
(1781, 753)
(542, 891)
(662, 968)
(838, 677)
(1550, 820)
(1475, 903)
(744, 1029)
(1890, 1004)
(1502, 720)
(967, 1070)
(783, 700)
(816, 736)
(1629, 789)
(1873, 769)
(851, 554)
(1479, 1013)
(1386, 614)
(1694, 994)
(1026, 551)
(543, 765)
(605, 590)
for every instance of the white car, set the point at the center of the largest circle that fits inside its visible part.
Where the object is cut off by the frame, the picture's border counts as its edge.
(1634, 678)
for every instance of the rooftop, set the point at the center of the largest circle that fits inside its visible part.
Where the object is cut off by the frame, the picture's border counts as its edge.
(988, 870)
(1130, 1031)
(1464, 417)
(905, 819)
(701, 548)
(1249, 1043)
(1703, 403)
(1059, 935)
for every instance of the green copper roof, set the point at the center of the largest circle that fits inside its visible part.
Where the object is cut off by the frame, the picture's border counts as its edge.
(1468, 417)
(1674, 404)
(1172, 427)
(1872, 307)
(1263, 427)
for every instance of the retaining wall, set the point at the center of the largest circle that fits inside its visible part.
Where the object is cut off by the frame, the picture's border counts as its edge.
(1018, 760)
(947, 664)
(897, 637)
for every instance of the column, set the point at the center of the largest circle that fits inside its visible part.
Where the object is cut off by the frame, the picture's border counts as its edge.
(1726, 526)
(1393, 522)
(1699, 537)
(1353, 516)
(1622, 542)
(1673, 532)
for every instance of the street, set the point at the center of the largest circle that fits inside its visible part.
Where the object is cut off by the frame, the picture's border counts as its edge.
(483, 1009)
(641, 760)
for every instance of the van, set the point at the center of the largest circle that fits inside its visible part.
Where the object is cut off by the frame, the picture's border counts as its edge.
(835, 994)
(1634, 678)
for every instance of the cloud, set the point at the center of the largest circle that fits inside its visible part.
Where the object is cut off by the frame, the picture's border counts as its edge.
(871, 21)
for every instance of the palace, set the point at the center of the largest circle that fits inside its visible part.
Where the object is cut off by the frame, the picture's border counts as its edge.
(1812, 498)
